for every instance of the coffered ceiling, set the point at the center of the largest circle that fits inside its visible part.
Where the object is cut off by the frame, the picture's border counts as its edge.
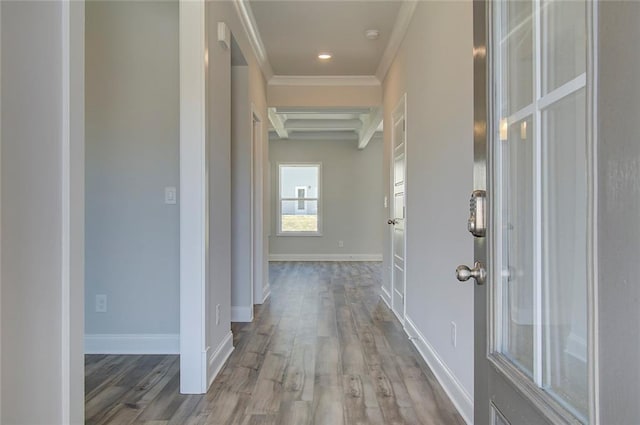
(358, 125)
(288, 35)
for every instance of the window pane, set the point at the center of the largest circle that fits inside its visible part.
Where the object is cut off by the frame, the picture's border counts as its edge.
(563, 42)
(517, 224)
(294, 219)
(565, 246)
(517, 50)
(293, 179)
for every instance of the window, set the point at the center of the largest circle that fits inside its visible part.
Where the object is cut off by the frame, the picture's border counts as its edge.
(299, 199)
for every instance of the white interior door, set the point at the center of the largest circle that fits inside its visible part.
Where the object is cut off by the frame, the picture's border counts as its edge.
(398, 208)
(532, 314)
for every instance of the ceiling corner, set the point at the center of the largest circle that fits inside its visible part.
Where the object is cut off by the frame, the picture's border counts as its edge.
(399, 31)
(243, 9)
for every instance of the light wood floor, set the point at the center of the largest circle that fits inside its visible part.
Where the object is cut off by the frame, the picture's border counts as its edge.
(323, 350)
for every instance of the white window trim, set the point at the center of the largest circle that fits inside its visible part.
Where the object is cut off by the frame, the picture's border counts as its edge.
(279, 231)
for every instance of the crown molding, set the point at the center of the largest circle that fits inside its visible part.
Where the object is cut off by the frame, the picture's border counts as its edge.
(251, 28)
(324, 80)
(397, 35)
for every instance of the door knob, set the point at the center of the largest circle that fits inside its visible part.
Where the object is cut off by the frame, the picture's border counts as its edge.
(478, 272)
(391, 221)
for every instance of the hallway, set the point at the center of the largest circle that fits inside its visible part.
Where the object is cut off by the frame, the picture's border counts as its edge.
(323, 350)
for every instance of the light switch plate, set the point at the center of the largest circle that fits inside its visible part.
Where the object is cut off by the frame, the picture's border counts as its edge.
(170, 195)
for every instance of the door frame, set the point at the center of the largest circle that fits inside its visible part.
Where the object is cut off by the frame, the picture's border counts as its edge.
(400, 106)
(481, 407)
(258, 254)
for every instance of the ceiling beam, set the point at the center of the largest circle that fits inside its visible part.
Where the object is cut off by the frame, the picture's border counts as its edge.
(370, 127)
(278, 123)
(321, 110)
(323, 124)
(346, 136)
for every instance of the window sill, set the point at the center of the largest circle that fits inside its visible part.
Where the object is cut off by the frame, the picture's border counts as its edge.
(298, 234)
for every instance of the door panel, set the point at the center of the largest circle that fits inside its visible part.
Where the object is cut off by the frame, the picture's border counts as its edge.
(398, 207)
(530, 155)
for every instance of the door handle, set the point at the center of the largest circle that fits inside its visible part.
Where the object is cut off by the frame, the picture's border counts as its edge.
(392, 221)
(478, 272)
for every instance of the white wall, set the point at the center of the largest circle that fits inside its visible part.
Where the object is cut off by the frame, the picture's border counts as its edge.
(132, 137)
(434, 68)
(241, 174)
(42, 214)
(351, 200)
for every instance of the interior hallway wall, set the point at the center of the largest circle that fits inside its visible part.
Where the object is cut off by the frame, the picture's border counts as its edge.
(351, 200)
(241, 175)
(132, 135)
(437, 77)
(42, 228)
(219, 288)
(618, 208)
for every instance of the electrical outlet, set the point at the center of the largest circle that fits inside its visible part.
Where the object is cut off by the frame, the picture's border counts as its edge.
(101, 303)
(453, 334)
(340, 244)
(217, 314)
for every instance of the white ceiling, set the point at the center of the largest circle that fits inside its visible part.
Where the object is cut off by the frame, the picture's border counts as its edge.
(295, 31)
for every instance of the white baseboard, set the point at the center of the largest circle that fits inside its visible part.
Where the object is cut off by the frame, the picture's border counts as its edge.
(325, 257)
(454, 389)
(218, 358)
(266, 293)
(242, 314)
(576, 347)
(132, 344)
(386, 296)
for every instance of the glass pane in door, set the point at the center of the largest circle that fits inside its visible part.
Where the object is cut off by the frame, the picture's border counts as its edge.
(517, 223)
(564, 42)
(564, 185)
(517, 50)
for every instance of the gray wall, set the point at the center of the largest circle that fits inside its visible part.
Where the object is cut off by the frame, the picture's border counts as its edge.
(219, 117)
(437, 78)
(132, 141)
(352, 198)
(41, 263)
(241, 174)
(618, 203)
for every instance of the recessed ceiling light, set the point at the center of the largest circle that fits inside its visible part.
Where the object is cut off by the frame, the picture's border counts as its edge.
(324, 56)
(372, 34)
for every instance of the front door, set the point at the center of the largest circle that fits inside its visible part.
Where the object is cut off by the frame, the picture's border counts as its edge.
(533, 194)
(398, 208)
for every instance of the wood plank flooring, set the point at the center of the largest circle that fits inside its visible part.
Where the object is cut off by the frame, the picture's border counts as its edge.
(322, 350)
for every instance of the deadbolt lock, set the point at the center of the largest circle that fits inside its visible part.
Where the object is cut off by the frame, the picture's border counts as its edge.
(477, 224)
